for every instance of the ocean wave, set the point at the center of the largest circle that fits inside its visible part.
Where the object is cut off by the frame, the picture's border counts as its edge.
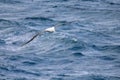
(10, 1)
(39, 18)
(109, 48)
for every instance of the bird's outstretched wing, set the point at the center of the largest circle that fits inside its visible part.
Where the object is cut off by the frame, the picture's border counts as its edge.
(39, 33)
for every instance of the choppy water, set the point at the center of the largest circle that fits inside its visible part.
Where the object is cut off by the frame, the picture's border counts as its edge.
(86, 47)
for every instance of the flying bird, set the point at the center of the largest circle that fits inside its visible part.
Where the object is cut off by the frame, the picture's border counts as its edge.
(50, 29)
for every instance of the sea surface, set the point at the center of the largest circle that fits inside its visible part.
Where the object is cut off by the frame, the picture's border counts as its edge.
(85, 46)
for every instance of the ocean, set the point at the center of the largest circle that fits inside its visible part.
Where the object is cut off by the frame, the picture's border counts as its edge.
(86, 46)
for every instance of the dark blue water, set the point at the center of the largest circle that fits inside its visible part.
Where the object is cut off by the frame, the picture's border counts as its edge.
(85, 47)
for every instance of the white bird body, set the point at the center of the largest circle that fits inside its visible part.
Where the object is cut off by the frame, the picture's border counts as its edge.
(51, 29)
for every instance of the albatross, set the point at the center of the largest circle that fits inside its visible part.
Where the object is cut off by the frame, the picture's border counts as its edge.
(50, 29)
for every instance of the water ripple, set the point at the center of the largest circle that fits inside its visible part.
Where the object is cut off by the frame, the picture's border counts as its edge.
(85, 46)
